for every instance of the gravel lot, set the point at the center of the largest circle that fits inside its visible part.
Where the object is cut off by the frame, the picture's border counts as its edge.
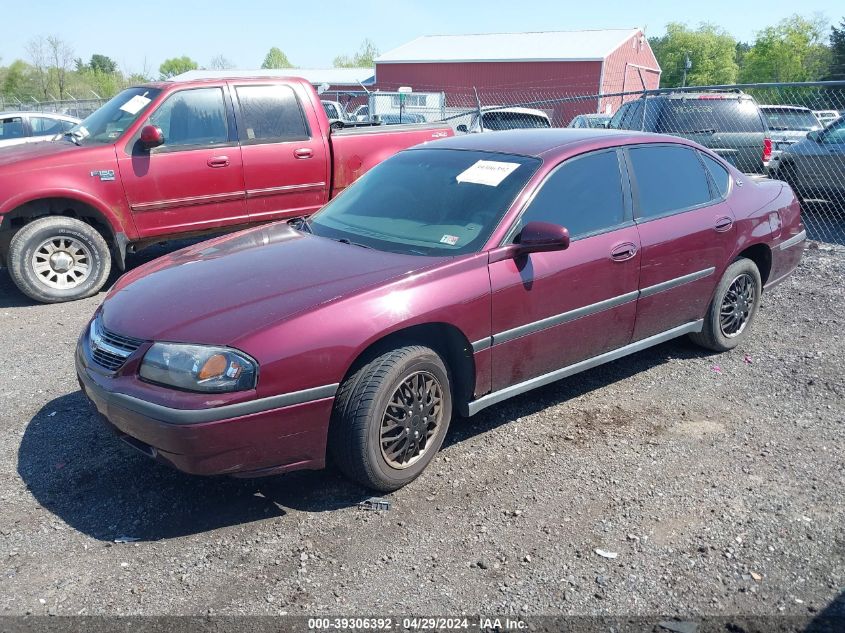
(717, 481)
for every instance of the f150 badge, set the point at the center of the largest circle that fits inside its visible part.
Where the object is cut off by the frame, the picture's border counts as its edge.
(103, 174)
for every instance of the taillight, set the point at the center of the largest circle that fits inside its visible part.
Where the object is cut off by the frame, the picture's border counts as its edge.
(767, 150)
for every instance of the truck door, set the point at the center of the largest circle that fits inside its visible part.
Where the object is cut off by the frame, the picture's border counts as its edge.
(286, 161)
(194, 180)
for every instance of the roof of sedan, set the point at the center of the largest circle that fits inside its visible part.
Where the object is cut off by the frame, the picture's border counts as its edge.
(537, 142)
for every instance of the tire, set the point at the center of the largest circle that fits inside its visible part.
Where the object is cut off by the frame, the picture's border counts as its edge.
(362, 405)
(719, 336)
(55, 259)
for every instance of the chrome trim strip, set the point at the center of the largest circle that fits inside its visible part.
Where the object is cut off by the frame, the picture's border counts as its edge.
(497, 396)
(792, 241)
(565, 317)
(677, 281)
(96, 339)
(186, 202)
(481, 345)
(269, 191)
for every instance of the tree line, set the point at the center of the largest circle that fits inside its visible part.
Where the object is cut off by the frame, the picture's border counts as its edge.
(795, 49)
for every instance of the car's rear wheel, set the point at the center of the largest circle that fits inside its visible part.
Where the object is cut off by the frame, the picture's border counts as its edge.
(733, 309)
(390, 417)
(56, 258)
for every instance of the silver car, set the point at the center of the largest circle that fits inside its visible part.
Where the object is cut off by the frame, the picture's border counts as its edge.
(815, 167)
(31, 127)
(788, 124)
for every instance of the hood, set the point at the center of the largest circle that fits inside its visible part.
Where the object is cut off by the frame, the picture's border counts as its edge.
(807, 147)
(32, 155)
(219, 291)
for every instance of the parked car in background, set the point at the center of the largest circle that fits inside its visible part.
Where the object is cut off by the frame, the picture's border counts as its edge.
(590, 120)
(447, 279)
(788, 124)
(172, 159)
(334, 110)
(17, 128)
(826, 116)
(361, 113)
(815, 167)
(507, 119)
(729, 123)
(399, 119)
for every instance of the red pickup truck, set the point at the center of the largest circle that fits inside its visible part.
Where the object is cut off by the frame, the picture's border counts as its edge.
(175, 159)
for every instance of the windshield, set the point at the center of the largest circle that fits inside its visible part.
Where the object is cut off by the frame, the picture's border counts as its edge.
(427, 202)
(513, 121)
(700, 116)
(784, 119)
(108, 123)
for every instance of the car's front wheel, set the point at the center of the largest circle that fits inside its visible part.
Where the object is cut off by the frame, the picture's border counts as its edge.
(390, 417)
(733, 309)
(57, 258)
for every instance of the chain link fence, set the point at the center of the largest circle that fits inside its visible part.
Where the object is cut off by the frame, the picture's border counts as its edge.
(79, 108)
(790, 131)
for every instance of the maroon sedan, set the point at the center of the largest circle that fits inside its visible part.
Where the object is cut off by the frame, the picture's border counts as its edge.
(450, 277)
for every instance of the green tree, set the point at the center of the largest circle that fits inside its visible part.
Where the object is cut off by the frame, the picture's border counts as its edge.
(364, 58)
(103, 64)
(276, 59)
(792, 50)
(176, 66)
(711, 50)
(837, 51)
(18, 81)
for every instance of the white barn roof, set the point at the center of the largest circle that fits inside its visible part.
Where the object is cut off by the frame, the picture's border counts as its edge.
(511, 47)
(316, 76)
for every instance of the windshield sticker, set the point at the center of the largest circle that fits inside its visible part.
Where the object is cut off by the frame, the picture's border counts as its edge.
(487, 172)
(451, 240)
(134, 105)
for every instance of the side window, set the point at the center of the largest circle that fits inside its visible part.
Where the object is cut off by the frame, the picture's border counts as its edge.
(11, 128)
(634, 119)
(270, 113)
(584, 194)
(669, 178)
(721, 176)
(331, 111)
(66, 125)
(42, 126)
(616, 120)
(193, 118)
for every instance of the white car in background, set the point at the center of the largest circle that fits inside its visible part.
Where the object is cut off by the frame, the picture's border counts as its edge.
(507, 119)
(30, 127)
(826, 116)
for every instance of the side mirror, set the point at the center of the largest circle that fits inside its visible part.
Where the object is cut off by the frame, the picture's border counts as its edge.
(151, 136)
(541, 237)
(815, 135)
(462, 128)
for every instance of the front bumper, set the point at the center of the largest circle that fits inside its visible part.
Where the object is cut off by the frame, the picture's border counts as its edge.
(253, 438)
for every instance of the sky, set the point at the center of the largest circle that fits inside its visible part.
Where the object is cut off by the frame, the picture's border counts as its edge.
(140, 35)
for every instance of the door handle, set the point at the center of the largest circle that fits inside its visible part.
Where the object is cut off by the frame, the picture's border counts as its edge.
(218, 161)
(723, 224)
(303, 152)
(623, 252)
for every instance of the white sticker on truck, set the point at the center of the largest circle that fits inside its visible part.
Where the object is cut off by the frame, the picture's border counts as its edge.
(487, 172)
(134, 105)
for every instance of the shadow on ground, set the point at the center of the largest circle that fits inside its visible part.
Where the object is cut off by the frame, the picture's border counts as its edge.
(78, 470)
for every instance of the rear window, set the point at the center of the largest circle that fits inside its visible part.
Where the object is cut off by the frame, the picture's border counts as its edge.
(720, 175)
(271, 113)
(513, 121)
(787, 119)
(703, 116)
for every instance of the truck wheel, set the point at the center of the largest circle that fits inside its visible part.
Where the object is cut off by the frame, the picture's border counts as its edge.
(734, 306)
(56, 259)
(390, 417)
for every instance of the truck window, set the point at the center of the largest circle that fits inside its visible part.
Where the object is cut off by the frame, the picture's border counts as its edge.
(270, 114)
(193, 118)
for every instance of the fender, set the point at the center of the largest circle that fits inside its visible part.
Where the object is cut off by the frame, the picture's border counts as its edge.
(116, 218)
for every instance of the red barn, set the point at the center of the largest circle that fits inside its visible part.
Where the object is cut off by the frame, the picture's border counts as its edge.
(523, 68)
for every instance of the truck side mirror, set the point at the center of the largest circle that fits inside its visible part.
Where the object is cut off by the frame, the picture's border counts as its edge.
(151, 136)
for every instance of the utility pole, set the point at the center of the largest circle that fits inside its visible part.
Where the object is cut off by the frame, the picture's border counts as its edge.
(687, 66)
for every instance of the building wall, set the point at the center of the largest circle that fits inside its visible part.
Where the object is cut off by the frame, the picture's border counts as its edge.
(632, 66)
(501, 83)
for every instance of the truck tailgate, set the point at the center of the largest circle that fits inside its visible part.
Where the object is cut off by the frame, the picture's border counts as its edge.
(356, 150)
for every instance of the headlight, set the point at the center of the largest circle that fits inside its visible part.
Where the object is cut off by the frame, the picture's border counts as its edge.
(198, 368)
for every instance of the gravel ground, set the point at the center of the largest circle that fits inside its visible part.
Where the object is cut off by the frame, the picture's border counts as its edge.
(715, 480)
